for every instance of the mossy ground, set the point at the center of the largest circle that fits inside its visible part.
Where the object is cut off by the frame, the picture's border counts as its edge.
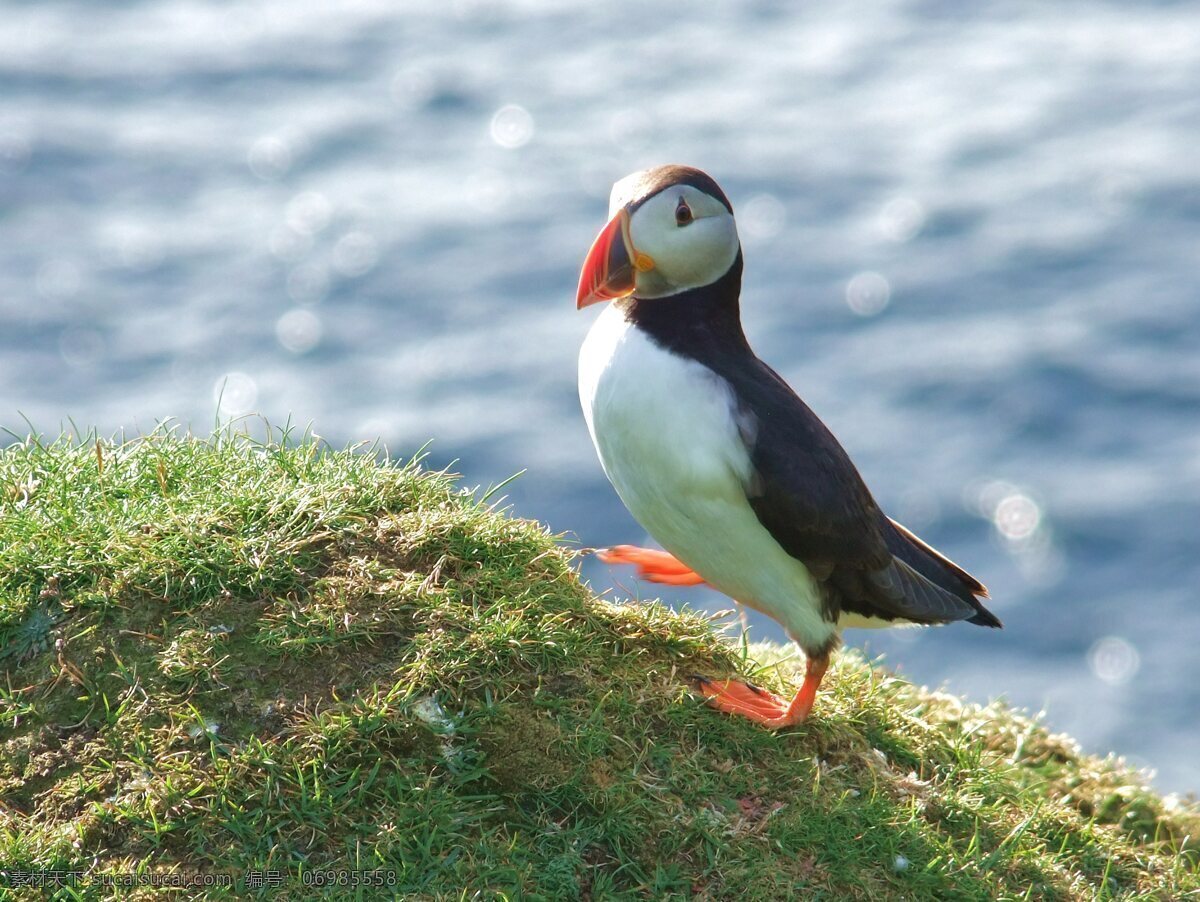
(223, 656)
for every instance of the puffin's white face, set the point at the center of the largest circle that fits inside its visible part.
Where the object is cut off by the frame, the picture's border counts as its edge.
(678, 239)
(688, 234)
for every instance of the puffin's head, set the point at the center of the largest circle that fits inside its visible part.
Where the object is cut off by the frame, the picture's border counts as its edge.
(671, 230)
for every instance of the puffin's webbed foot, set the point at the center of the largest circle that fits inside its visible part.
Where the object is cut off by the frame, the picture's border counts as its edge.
(745, 700)
(652, 565)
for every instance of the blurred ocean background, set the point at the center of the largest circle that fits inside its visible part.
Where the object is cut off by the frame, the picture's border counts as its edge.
(972, 244)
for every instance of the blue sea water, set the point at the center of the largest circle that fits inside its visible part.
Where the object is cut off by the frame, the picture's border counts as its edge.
(971, 237)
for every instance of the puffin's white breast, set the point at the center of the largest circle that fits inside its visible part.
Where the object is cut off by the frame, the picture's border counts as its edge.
(666, 430)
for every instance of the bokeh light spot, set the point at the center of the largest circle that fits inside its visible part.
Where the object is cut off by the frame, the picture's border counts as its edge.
(1114, 660)
(1016, 517)
(235, 394)
(868, 293)
(269, 158)
(355, 253)
(512, 126)
(309, 212)
(901, 219)
(762, 216)
(299, 331)
(308, 283)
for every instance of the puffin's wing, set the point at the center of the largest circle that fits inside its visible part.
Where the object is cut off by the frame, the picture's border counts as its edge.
(808, 494)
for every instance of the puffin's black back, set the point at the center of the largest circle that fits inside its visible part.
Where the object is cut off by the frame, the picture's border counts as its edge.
(806, 491)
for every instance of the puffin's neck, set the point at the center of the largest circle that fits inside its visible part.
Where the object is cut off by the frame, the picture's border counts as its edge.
(701, 323)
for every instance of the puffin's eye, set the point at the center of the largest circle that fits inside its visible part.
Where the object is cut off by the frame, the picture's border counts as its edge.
(683, 213)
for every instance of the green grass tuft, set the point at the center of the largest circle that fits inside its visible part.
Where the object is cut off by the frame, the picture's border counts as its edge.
(222, 656)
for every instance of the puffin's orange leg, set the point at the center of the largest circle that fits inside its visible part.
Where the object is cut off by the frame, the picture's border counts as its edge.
(760, 706)
(656, 566)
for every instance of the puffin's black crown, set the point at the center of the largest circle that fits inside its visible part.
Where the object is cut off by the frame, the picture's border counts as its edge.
(661, 178)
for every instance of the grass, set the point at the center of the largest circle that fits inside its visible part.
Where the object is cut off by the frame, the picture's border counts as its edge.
(225, 657)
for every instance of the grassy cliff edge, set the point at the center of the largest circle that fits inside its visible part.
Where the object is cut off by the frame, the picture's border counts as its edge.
(295, 665)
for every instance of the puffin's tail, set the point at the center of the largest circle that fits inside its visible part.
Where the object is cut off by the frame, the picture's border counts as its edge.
(942, 571)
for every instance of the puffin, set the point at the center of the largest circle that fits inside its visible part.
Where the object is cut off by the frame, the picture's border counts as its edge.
(721, 462)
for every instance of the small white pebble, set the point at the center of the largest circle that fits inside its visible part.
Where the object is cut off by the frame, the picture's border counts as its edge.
(900, 864)
(209, 728)
(432, 713)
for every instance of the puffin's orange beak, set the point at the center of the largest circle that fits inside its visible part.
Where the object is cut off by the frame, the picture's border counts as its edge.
(612, 265)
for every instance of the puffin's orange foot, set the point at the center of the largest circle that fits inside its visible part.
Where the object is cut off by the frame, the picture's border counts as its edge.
(655, 566)
(760, 706)
(747, 700)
